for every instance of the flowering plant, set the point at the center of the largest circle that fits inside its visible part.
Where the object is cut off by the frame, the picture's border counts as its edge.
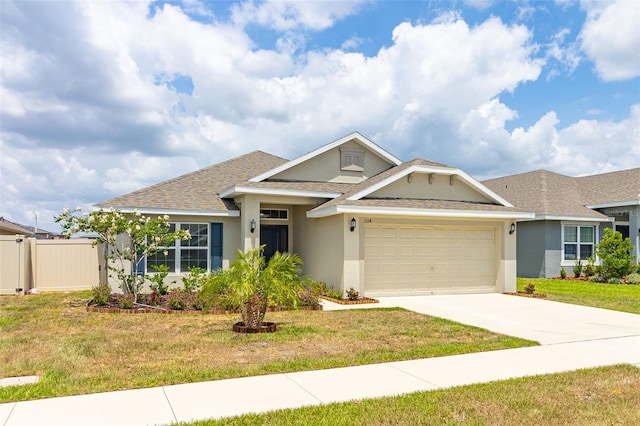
(129, 238)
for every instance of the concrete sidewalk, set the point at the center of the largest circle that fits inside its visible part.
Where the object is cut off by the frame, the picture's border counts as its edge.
(592, 338)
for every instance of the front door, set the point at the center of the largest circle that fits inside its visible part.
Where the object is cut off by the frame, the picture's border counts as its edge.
(274, 238)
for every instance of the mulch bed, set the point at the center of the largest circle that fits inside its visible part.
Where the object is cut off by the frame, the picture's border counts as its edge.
(525, 294)
(163, 308)
(359, 301)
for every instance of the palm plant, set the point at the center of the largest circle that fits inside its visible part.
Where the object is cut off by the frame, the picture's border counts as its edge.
(254, 284)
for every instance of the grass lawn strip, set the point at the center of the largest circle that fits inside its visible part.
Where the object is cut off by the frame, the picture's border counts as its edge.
(73, 351)
(602, 396)
(618, 297)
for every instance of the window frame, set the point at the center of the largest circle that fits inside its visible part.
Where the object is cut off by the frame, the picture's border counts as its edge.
(578, 242)
(178, 247)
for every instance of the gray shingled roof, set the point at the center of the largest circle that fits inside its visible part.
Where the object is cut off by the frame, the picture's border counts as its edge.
(611, 187)
(198, 190)
(552, 194)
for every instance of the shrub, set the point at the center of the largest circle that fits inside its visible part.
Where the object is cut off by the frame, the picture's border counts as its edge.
(308, 297)
(615, 254)
(195, 279)
(126, 301)
(577, 268)
(615, 281)
(157, 279)
(590, 269)
(101, 294)
(597, 279)
(177, 300)
(352, 294)
(530, 288)
(633, 278)
(563, 273)
(154, 298)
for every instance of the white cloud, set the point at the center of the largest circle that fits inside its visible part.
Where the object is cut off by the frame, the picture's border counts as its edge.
(289, 15)
(86, 115)
(611, 38)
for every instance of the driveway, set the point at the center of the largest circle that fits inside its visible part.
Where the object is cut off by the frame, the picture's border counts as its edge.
(540, 320)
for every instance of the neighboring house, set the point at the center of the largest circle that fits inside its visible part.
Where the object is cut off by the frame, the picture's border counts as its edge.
(570, 216)
(356, 215)
(11, 228)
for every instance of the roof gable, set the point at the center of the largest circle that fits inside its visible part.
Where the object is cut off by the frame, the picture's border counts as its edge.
(324, 163)
(197, 191)
(393, 189)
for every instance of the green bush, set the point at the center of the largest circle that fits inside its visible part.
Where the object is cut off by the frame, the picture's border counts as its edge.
(126, 301)
(590, 269)
(597, 279)
(563, 273)
(101, 294)
(195, 279)
(157, 280)
(633, 278)
(615, 254)
(177, 300)
(577, 268)
(615, 281)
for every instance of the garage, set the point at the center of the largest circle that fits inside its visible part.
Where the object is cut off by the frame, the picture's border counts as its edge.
(421, 259)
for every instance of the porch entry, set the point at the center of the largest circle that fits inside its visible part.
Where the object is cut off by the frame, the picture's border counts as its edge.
(275, 238)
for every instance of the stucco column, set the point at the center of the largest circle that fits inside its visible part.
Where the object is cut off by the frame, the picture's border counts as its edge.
(506, 276)
(250, 211)
(353, 269)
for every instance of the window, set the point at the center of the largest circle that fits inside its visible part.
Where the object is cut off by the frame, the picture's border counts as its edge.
(274, 214)
(193, 253)
(351, 160)
(578, 242)
(166, 256)
(183, 255)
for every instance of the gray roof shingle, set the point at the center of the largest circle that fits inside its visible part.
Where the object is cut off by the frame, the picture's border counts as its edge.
(198, 190)
(552, 194)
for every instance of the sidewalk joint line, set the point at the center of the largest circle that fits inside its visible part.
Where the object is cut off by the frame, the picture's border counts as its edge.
(303, 388)
(413, 375)
(10, 412)
(169, 402)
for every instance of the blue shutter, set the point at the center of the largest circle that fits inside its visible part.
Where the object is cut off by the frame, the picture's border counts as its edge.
(138, 267)
(216, 246)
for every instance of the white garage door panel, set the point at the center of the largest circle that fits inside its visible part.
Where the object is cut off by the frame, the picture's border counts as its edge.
(402, 259)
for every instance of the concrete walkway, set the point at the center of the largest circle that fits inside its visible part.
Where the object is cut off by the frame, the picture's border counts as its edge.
(572, 337)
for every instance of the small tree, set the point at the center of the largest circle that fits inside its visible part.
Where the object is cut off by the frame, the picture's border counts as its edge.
(130, 237)
(615, 254)
(253, 283)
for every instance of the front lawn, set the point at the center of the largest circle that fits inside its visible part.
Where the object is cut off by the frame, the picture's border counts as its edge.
(76, 352)
(602, 396)
(618, 297)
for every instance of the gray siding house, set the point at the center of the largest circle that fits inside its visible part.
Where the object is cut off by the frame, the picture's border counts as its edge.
(571, 214)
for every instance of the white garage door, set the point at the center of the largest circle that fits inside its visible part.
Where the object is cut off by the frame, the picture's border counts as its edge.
(408, 259)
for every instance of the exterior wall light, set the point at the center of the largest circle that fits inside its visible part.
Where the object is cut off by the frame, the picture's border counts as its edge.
(253, 225)
(353, 224)
(512, 229)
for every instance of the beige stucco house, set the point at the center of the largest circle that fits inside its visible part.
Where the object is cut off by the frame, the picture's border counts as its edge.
(358, 217)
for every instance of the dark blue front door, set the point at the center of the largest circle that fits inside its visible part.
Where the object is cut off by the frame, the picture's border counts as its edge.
(274, 238)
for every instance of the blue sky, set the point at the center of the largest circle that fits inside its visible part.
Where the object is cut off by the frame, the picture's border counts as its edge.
(98, 99)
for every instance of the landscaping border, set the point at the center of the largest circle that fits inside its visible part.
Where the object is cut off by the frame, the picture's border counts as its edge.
(525, 294)
(360, 301)
(142, 310)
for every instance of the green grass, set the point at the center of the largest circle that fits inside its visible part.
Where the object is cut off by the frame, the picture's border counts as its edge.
(602, 396)
(619, 297)
(51, 335)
